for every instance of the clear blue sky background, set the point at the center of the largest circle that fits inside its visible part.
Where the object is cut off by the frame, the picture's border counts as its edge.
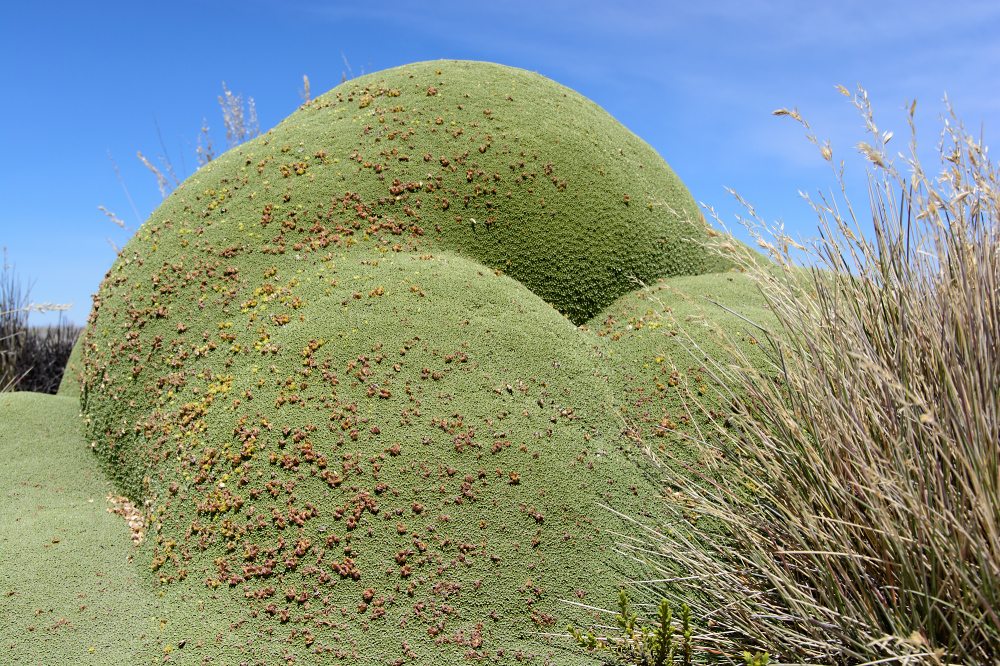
(699, 83)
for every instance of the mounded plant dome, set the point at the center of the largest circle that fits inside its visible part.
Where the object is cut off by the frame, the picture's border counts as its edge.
(338, 397)
(510, 168)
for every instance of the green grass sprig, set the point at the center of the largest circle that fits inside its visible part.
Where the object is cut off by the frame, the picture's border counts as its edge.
(638, 643)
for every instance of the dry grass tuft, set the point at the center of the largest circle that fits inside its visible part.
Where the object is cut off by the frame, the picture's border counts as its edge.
(44, 355)
(17, 345)
(241, 126)
(205, 153)
(858, 483)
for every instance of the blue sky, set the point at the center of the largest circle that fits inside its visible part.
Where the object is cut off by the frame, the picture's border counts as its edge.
(80, 79)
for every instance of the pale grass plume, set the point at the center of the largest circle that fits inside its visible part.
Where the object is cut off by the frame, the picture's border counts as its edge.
(120, 223)
(241, 125)
(205, 153)
(113, 217)
(165, 157)
(348, 66)
(40, 308)
(161, 180)
(304, 92)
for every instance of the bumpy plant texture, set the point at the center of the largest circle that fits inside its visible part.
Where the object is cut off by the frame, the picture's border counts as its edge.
(335, 401)
(514, 170)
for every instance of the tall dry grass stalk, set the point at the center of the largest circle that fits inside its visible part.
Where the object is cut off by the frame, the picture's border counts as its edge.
(304, 92)
(13, 324)
(204, 153)
(127, 195)
(858, 481)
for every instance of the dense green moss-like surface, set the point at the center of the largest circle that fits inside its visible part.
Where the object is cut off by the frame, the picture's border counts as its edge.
(655, 342)
(70, 594)
(364, 424)
(75, 589)
(69, 387)
(512, 169)
(657, 346)
(384, 442)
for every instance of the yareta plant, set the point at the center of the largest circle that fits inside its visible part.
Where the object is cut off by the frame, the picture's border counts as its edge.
(335, 365)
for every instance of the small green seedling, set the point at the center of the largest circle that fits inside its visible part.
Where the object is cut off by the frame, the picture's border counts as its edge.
(639, 644)
(756, 659)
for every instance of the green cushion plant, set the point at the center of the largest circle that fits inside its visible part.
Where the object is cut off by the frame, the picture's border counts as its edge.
(360, 413)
